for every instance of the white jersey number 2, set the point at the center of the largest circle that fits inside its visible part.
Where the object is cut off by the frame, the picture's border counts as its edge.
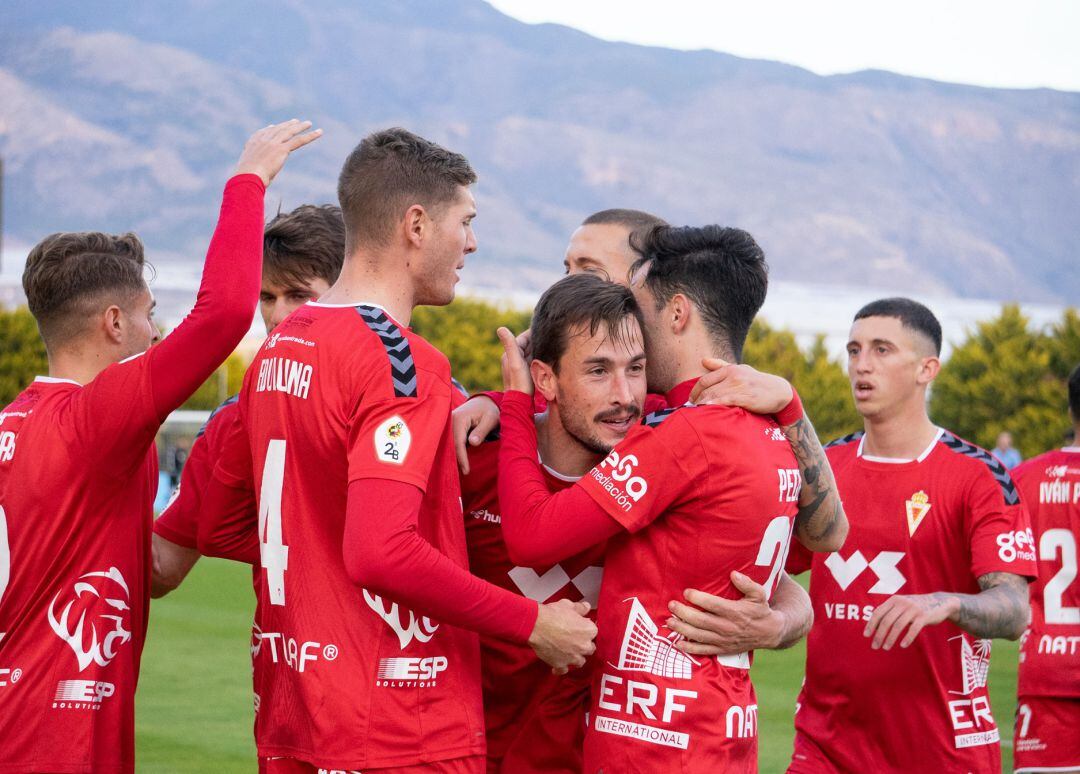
(273, 553)
(1052, 542)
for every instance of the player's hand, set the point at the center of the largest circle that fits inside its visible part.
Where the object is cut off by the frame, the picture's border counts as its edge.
(266, 150)
(515, 370)
(731, 384)
(715, 626)
(908, 613)
(524, 341)
(563, 636)
(473, 421)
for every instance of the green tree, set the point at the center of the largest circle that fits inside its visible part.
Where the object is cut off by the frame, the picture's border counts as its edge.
(820, 380)
(225, 381)
(22, 352)
(1000, 379)
(1063, 343)
(464, 331)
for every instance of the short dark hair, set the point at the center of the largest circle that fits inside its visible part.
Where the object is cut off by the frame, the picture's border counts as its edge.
(1074, 394)
(304, 244)
(68, 275)
(388, 172)
(578, 300)
(722, 270)
(637, 221)
(911, 314)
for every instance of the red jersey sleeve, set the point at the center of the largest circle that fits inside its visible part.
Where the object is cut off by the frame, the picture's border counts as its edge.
(179, 522)
(999, 527)
(228, 514)
(648, 471)
(397, 438)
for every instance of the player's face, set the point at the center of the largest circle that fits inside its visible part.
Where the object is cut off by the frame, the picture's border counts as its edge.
(661, 374)
(277, 300)
(140, 330)
(888, 366)
(600, 386)
(436, 272)
(603, 249)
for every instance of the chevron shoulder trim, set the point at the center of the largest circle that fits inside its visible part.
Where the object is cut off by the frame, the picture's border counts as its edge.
(997, 469)
(227, 402)
(845, 440)
(656, 417)
(402, 366)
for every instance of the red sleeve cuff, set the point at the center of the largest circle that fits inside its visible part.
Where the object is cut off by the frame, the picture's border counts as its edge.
(792, 412)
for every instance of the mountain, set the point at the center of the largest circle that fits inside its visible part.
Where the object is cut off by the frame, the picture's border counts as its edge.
(120, 116)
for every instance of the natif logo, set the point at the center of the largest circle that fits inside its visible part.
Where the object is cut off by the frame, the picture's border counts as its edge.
(99, 599)
(621, 483)
(420, 628)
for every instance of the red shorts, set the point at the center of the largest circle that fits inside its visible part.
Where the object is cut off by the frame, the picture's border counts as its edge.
(1047, 734)
(471, 765)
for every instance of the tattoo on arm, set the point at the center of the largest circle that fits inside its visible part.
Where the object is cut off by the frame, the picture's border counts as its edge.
(821, 519)
(1001, 609)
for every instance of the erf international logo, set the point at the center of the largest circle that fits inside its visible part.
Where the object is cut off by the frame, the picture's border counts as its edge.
(93, 617)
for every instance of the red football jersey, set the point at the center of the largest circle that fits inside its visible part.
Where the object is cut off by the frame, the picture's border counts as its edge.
(73, 613)
(1050, 651)
(179, 522)
(707, 491)
(350, 680)
(78, 475)
(936, 523)
(535, 720)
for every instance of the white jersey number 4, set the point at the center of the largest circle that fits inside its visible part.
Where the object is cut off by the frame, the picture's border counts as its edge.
(1051, 542)
(273, 553)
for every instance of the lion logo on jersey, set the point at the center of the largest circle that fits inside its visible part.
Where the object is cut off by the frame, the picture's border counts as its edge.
(420, 628)
(98, 596)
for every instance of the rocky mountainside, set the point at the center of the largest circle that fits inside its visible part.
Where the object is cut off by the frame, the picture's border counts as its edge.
(120, 116)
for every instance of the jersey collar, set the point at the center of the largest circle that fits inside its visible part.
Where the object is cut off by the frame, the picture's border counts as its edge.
(896, 460)
(679, 395)
(55, 380)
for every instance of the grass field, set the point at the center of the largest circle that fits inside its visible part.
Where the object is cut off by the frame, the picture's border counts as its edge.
(194, 703)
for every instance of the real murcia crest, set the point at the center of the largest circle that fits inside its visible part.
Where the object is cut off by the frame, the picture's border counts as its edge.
(917, 508)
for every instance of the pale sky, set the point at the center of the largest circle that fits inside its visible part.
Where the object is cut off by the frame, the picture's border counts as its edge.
(1009, 43)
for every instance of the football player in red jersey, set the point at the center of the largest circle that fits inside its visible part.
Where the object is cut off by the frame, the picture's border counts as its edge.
(302, 255)
(1047, 734)
(366, 608)
(78, 473)
(594, 390)
(936, 564)
(687, 499)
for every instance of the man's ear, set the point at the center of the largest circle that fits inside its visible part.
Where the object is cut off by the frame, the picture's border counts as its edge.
(928, 370)
(677, 312)
(415, 224)
(544, 379)
(112, 324)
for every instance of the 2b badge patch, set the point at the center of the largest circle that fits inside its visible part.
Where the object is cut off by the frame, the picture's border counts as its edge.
(392, 440)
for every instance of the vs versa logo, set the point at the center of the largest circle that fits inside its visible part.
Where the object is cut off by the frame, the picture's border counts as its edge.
(98, 597)
(889, 578)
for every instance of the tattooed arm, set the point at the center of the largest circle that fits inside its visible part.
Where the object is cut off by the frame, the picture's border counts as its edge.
(1001, 609)
(820, 524)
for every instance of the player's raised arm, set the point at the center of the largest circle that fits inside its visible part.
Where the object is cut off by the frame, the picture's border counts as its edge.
(229, 291)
